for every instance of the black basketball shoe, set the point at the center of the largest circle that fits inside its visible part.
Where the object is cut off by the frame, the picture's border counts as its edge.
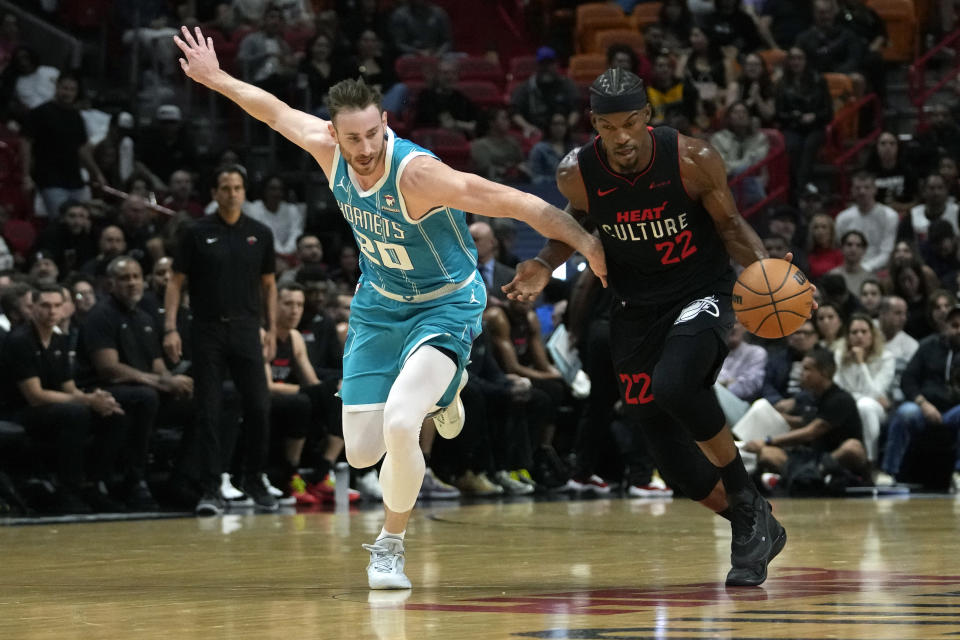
(757, 539)
(263, 500)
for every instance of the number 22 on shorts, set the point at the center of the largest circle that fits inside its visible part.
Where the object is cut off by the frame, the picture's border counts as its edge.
(637, 389)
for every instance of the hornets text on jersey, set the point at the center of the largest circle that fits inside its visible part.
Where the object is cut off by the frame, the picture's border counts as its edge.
(404, 259)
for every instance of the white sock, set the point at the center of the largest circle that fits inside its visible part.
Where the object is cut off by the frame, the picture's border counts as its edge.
(386, 534)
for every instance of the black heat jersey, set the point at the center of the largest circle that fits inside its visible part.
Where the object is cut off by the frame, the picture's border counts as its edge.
(283, 367)
(660, 244)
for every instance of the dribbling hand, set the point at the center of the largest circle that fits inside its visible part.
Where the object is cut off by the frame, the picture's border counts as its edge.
(789, 258)
(200, 60)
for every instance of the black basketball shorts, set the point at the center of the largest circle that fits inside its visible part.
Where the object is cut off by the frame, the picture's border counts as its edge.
(638, 334)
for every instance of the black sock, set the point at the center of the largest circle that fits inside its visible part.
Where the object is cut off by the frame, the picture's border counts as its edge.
(323, 468)
(734, 476)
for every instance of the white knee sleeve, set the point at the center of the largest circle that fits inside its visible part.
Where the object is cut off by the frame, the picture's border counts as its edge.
(424, 377)
(363, 438)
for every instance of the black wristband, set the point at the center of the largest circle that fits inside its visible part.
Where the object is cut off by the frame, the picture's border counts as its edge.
(166, 331)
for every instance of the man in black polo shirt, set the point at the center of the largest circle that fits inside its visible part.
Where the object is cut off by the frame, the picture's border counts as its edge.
(835, 430)
(39, 393)
(228, 261)
(121, 343)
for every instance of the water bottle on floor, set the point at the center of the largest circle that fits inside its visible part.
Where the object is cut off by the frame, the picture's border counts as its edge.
(341, 473)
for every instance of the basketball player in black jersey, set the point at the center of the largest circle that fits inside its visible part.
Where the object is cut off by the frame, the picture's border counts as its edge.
(669, 227)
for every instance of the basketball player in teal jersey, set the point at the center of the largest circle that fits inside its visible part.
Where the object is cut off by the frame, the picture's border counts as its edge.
(420, 299)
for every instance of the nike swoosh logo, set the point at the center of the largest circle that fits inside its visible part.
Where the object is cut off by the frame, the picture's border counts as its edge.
(602, 193)
(211, 240)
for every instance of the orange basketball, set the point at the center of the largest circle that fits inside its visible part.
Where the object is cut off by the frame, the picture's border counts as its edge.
(772, 298)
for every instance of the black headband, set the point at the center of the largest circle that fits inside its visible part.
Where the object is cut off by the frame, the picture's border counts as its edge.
(601, 104)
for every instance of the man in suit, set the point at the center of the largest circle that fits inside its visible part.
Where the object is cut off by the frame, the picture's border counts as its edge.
(495, 274)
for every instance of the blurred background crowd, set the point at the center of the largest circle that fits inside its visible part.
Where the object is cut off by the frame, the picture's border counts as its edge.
(836, 119)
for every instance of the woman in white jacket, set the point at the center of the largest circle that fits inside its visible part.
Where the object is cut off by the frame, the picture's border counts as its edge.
(865, 369)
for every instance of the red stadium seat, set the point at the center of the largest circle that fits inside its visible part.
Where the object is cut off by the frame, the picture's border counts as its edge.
(900, 16)
(585, 67)
(414, 67)
(521, 68)
(450, 146)
(604, 39)
(483, 94)
(645, 13)
(480, 68)
(20, 236)
(587, 28)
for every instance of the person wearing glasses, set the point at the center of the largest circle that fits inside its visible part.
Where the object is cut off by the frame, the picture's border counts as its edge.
(83, 294)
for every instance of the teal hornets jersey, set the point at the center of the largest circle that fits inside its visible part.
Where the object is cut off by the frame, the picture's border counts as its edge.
(402, 258)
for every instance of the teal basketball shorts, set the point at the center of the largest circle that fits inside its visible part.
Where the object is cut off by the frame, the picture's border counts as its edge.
(384, 332)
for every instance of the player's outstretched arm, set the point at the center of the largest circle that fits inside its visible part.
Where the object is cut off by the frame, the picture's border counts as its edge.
(200, 63)
(427, 184)
(704, 174)
(533, 275)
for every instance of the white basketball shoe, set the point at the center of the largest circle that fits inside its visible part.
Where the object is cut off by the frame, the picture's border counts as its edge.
(385, 570)
(449, 420)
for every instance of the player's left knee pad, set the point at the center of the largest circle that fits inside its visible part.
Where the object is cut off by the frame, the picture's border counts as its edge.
(401, 428)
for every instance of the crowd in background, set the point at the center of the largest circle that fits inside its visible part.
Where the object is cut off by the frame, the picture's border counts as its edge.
(96, 189)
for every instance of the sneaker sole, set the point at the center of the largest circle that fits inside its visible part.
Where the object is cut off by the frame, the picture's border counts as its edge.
(391, 582)
(436, 495)
(643, 493)
(596, 490)
(208, 510)
(449, 421)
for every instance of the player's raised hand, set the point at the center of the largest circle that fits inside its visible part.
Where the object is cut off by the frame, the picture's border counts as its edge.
(200, 60)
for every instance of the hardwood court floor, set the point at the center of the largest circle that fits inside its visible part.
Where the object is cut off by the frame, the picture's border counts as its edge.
(590, 570)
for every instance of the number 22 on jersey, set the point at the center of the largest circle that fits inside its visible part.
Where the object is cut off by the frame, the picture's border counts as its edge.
(681, 242)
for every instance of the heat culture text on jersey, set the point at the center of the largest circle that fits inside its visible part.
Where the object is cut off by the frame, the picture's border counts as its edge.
(645, 224)
(372, 222)
(661, 244)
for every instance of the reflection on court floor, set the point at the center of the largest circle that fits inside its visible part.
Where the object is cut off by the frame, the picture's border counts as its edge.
(587, 570)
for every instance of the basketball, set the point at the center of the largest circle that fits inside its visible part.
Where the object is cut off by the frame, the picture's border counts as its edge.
(772, 298)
